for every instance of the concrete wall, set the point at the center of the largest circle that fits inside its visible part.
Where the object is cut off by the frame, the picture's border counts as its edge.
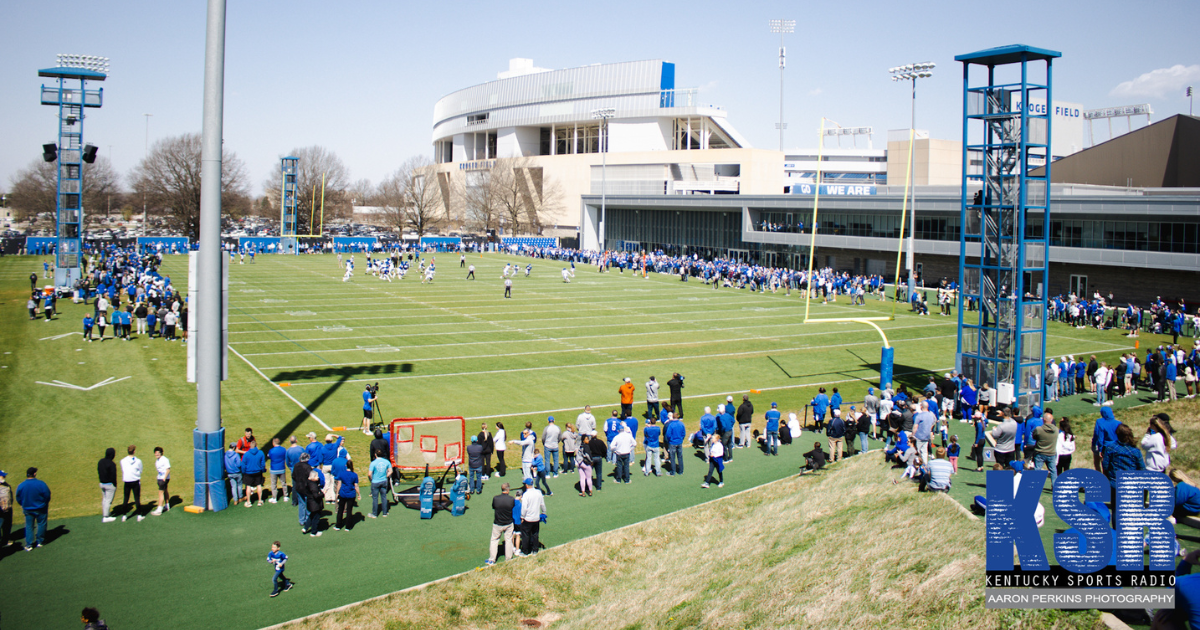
(934, 162)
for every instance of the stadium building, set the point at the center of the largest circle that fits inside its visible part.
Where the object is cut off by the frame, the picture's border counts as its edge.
(1137, 241)
(660, 140)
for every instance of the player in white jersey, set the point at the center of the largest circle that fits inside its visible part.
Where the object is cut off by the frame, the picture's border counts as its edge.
(349, 270)
(429, 271)
(566, 275)
(528, 268)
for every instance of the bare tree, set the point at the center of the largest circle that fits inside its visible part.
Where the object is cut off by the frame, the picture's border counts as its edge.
(363, 193)
(413, 197)
(480, 195)
(34, 187)
(170, 178)
(523, 194)
(317, 168)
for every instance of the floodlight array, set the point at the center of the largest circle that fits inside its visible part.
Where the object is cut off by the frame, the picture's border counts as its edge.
(87, 62)
(912, 71)
(783, 26)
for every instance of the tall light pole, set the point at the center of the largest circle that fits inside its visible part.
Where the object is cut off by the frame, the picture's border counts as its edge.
(781, 27)
(602, 114)
(145, 156)
(912, 72)
(1189, 95)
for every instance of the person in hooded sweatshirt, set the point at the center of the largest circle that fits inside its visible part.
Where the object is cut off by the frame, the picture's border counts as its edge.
(107, 469)
(1104, 433)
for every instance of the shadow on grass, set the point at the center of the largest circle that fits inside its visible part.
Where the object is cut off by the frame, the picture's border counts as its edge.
(343, 375)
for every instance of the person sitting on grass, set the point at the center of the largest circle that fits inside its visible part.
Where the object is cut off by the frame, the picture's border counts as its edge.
(915, 470)
(899, 452)
(1187, 495)
(936, 477)
(815, 459)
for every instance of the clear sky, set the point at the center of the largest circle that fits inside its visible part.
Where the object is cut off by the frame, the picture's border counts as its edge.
(361, 77)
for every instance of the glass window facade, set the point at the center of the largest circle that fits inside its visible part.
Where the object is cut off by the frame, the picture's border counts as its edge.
(682, 231)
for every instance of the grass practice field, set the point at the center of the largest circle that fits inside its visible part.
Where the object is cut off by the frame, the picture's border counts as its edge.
(302, 346)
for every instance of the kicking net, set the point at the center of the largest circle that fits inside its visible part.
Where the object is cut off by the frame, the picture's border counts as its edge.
(435, 442)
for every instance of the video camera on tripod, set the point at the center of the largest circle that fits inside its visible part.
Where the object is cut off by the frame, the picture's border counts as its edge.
(378, 422)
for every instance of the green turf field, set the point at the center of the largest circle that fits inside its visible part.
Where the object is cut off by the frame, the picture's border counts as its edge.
(303, 344)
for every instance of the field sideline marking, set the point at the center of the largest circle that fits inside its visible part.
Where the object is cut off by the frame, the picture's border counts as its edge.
(276, 385)
(672, 332)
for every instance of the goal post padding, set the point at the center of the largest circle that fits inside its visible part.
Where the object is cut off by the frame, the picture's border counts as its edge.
(436, 442)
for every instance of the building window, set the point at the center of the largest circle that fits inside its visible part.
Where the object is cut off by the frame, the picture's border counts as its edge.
(569, 139)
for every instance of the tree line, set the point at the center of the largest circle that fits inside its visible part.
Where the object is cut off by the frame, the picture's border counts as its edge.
(512, 194)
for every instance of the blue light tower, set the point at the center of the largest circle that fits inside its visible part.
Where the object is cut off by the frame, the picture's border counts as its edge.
(71, 154)
(1004, 244)
(287, 212)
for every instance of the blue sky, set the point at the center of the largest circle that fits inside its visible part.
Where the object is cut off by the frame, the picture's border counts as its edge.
(361, 77)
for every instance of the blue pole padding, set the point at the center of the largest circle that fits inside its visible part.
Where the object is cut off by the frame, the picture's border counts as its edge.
(886, 357)
(209, 469)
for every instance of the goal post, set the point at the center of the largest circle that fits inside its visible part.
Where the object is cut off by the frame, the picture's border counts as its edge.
(438, 443)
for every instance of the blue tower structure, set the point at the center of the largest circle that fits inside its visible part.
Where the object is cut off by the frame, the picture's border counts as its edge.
(287, 212)
(1003, 246)
(72, 154)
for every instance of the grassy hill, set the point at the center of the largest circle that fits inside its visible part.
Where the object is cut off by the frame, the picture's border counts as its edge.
(843, 548)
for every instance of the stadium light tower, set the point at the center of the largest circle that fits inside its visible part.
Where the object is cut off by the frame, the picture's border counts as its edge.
(603, 114)
(1189, 95)
(71, 154)
(782, 27)
(912, 72)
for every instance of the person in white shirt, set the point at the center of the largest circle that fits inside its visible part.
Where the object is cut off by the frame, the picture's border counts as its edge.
(1103, 378)
(526, 443)
(716, 460)
(652, 398)
(1066, 445)
(162, 474)
(131, 478)
(499, 443)
(1157, 445)
(622, 447)
(533, 508)
(586, 422)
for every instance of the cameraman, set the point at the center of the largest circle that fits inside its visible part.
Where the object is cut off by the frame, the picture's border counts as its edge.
(676, 387)
(369, 398)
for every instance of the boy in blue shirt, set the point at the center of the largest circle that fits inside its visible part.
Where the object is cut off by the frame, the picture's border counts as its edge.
(278, 559)
(539, 471)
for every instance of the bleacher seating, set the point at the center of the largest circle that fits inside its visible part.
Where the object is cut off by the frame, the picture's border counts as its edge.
(530, 241)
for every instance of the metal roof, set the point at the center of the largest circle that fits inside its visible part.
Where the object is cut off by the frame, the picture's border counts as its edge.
(72, 73)
(1012, 53)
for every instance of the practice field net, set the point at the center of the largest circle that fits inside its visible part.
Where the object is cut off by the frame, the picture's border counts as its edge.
(438, 443)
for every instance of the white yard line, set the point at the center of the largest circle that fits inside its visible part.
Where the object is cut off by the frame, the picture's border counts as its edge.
(292, 398)
(586, 365)
(623, 335)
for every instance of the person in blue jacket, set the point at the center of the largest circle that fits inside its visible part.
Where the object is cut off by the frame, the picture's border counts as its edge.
(725, 424)
(1104, 433)
(835, 401)
(651, 443)
(254, 464)
(34, 496)
(612, 427)
(772, 417)
(1187, 495)
(278, 458)
(820, 406)
(708, 423)
(233, 470)
(675, 433)
(313, 448)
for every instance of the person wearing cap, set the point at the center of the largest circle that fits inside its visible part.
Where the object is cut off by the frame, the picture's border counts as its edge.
(772, 417)
(6, 515)
(34, 496)
(550, 442)
(474, 466)
(233, 472)
(745, 416)
(533, 510)
(835, 431)
(871, 409)
(626, 392)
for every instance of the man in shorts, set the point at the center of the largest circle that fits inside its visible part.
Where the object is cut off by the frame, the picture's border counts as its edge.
(162, 474)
